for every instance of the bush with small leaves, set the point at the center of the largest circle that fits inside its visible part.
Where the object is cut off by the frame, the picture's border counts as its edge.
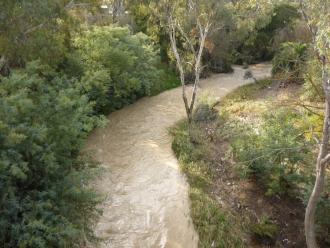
(275, 153)
(289, 61)
(45, 198)
(119, 67)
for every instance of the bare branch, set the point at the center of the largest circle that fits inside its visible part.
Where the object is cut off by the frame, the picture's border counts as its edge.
(172, 34)
(185, 36)
(326, 159)
(203, 34)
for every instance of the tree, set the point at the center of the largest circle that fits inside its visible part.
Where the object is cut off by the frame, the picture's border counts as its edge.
(36, 29)
(118, 67)
(316, 14)
(193, 29)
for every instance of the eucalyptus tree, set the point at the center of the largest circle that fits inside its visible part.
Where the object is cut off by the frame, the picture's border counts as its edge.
(317, 15)
(188, 24)
(201, 24)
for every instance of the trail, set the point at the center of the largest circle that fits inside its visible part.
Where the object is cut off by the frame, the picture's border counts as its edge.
(147, 201)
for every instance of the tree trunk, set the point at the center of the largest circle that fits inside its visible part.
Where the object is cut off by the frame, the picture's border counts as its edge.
(172, 33)
(322, 161)
(174, 26)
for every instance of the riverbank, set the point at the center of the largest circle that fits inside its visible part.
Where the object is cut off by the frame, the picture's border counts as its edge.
(147, 196)
(247, 165)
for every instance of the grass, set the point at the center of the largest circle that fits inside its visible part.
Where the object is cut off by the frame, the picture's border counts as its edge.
(265, 230)
(247, 92)
(215, 227)
(194, 147)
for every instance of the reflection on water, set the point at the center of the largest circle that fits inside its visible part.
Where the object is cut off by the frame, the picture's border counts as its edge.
(147, 197)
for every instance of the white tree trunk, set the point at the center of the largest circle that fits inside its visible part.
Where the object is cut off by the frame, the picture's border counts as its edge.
(322, 161)
(203, 32)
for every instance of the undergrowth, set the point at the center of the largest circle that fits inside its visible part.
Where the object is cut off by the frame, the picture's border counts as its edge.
(193, 147)
(270, 144)
(273, 143)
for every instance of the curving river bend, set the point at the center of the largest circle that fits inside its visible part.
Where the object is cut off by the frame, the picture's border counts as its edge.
(147, 201)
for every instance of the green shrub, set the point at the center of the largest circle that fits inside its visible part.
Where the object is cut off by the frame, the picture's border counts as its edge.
(275, 153)
(203, 113)
(167, 80)
(265, 230)
(119, 67)
(257, 45)
(313, 87)
(217, 62)
(278, 150)
(289, 60)
(45, 200)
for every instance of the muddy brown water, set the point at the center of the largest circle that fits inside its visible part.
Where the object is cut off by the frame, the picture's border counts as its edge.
(147, 202)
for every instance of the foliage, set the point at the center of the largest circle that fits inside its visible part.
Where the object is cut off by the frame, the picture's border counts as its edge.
(45, 199)
(35, 29)
(291, 131)
(192, 145)
(275, 153)
(147, 20)
(254, 42)
(243, 31)
(313, 88)
(203, 113)
(265, 230)
(289, 60)
(119, 67)
(21, 39)
(150, 17)
(246, 92)
(217, 57)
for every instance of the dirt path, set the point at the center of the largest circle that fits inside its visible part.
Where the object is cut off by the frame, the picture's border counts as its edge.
(147, 197)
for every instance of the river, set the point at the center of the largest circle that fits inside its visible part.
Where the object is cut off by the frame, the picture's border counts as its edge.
(147, 202)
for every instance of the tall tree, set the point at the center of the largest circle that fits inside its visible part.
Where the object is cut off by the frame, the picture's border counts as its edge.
(190, 21)
(317, 15)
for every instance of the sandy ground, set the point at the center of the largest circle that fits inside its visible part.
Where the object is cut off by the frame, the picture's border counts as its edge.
(147, 201)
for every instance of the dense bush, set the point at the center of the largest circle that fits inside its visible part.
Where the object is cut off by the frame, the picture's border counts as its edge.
(257, 45)
(280, 155)
(45, 201)
(119, 67)
(277, 148)
(45, 116)
(276, 153)
(35, 29)
(217, 62)
(289, 61)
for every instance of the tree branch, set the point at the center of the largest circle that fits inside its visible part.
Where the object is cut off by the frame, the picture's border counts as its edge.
(326, 159)
(191, 46)
(172, 32)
